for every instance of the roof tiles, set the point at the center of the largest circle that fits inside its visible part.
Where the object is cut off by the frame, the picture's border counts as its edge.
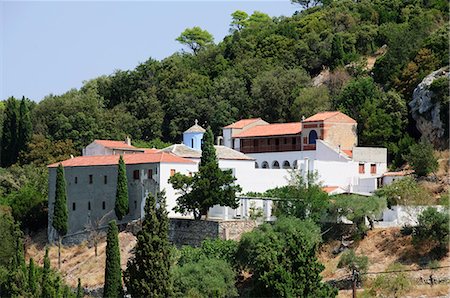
(334, 116)
(276, 129)
(242, 123)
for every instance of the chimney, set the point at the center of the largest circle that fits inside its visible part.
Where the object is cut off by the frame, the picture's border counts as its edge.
(128, 141)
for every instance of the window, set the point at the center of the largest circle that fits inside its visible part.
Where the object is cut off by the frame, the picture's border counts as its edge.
(373, 168)
(256, 165)
(275, 165)
(277, 142)
(361, 168)
(192, 143)
(150, 174)
(285, 141)
(76, 180)
(91, 179)
(172, 172)
(74, 206)
(105, 179)
(104, 205)
(255, 143)
(265, 165)
(286, 165)
(89, 205)
(136, 174)
(268, 142)
(135, 205)
(294, 141)
(312, 137)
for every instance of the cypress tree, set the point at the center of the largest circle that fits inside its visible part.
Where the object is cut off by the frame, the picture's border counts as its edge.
(337, 51)
(32, 282)
(9, 149)
(17, 271)
(79, 289)
(66, 292)
(25, 128)
(46, 287)
(121, 204)
(148, 272)
(60, 213)
(113, 273)
(208, 150)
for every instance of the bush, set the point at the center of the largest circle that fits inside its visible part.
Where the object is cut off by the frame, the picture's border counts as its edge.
(432, 230)
(351, 261)
(421, 159)
(210, 248)
(405, 191)
(282, 259)
(205, 278)
(394, 284)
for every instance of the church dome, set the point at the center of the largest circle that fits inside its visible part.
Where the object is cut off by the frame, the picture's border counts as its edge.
(195, 128)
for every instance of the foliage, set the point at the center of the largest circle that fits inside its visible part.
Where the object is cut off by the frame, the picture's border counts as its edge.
(208, 187)
(421, 158)
(405, 191)
(311, 100)
(302, 198)
(432, 230)
(195, 38)
(205, 278)
(60, 212)
(113, 273)
(394, 284)
(282, 259)
(357, 208)
(148, 271)
(155, 143)
(121, 207)
(80, 292)
(7, 234)
(350, 261)
(41, 151)
(9, 142)
(25, 127)
(211, 249)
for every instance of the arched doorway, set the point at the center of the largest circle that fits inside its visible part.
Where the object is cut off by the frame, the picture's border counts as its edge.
(312, 137)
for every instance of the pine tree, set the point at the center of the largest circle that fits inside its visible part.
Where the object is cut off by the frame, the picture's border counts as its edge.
(210, 185)
(25, 128)
(113, 273)
(32, 282)
(60, 213)
(9, 149)
(80, 293)
(121, 205)
(148, 272)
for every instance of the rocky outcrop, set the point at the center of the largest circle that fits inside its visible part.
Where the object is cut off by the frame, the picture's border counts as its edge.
(426, 111)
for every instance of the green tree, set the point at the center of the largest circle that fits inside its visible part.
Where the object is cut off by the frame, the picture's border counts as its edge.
(302, 198)
(432, 230)
(60, 212)
(195, 38)
(46, 285)
(25, 127)
(282, 260)
(113, 273)
(239, 20)
(337, 52)
(208, 187)
(205, 278)
(357, 208)
(421, 158)
(350, 261)
(121, 207)
(80, 292)
(311, 100)
(405, 192)
(9, 142)
(148, 271)
(32, 279)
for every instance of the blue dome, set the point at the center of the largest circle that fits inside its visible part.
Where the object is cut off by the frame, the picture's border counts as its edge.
(193, 136)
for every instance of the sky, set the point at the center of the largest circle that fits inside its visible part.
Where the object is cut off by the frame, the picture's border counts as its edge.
(51, 47)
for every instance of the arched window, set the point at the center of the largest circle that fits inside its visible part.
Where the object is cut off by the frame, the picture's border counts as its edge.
(286, 165)
(265, 165)
(275, 165)
(256, 165)
(312, 137)
(295, 165)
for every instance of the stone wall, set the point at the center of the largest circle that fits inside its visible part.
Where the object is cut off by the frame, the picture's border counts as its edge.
(191, 232)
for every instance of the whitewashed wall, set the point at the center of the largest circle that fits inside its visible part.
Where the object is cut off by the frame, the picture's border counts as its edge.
(399, 216)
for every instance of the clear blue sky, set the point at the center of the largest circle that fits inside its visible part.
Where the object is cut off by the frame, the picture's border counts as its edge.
(51, 47)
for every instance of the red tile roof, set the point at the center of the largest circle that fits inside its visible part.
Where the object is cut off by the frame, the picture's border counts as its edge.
(335, 116)
(114, 144)
(242, 123)
(329, 189)
(348, 152)
(400, 173)
(277, 129)
(130, 159)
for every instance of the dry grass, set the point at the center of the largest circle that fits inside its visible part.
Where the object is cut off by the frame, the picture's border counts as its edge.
(80, 261)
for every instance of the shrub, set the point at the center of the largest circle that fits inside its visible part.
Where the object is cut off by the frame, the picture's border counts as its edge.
(405, 191)
(421, 159)
(394, 284)
(433, 230)
(205, 278)
(351, 261)
(210, 248)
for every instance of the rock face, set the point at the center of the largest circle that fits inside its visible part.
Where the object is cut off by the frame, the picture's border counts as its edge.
(427, 112)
